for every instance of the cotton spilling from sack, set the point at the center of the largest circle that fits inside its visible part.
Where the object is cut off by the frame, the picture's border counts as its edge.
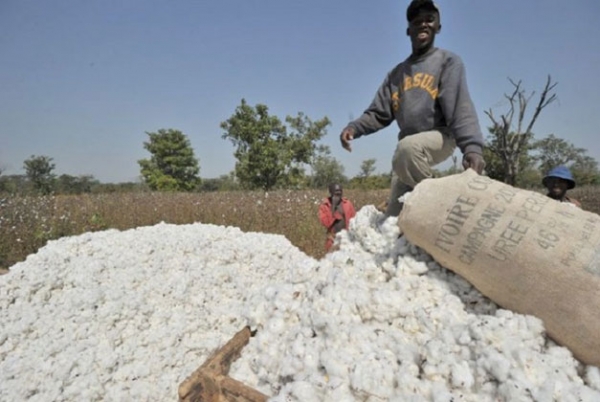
(129, 315)
(525, 251)
(380, 320)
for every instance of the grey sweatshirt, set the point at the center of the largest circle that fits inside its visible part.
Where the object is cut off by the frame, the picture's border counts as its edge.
(425, 93)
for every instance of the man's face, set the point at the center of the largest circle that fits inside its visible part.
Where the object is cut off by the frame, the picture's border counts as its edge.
(423, 28)
(557, 187)
(336, 191)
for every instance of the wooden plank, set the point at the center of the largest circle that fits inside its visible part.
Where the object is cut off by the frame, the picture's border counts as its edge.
(211, 383)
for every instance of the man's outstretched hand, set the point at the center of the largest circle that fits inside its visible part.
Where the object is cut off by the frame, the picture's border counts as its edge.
(474, 161)
(346, 136)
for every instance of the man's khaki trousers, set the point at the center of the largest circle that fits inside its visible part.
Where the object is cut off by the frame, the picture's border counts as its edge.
(414, 157)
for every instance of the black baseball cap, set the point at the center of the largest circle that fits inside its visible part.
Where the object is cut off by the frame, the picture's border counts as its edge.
(416, 5)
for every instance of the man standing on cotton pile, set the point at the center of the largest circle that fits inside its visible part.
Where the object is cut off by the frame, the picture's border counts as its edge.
(427, 96)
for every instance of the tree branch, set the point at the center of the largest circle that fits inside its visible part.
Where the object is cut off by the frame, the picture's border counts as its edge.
(546, 98)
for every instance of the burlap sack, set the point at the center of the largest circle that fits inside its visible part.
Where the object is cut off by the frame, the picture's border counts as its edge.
(525, 251)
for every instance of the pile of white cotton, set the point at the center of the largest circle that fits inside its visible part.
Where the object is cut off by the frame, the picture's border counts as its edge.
(129, 315)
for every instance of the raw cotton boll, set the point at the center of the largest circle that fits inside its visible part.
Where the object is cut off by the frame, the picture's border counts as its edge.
(408, 382)
(441, 394)
(592, 377)
(297, 391)
(326, 265)
(371, 272)
(284, 296)
(362, 341)
(411, 325)
(303, 271)
(564, 392)
(545, 392)
(377, 240)
(584, 395)
(373, 376)
(339, 392)
(362, 303)
(275, 325)
(270, 292)
(461, 375)
(402, 247)
(342, 261)
(464, 337)
(404, 197)
(299, 346)
(310, 359)
(388, 304)
(333, 366)
(257, 312)
(560, 354)
(517, 388)
(436, 371)
(472, 300)
(412, 267)
(365, 231)
(287, 366)
(388, 270)
(447, 337)
(497, 365)
(389, 228)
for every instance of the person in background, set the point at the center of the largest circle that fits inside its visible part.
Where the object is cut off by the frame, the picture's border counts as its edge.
(558, 181)
(427, 96)
(335, 213)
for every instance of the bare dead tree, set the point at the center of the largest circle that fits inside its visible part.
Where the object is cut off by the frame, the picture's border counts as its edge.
(510, 133)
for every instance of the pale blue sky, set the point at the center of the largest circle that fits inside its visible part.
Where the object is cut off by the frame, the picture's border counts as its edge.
(81, 81)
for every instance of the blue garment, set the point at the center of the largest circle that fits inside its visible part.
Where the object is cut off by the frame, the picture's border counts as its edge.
(561, 172)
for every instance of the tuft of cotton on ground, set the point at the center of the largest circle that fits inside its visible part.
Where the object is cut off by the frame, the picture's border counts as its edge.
(129, 315)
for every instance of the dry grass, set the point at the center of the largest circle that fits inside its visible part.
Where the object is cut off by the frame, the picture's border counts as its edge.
(27, 223)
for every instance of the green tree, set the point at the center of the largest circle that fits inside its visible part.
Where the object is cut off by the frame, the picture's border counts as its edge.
(225, 182)
(365, 180)
(373, 182)
(14, 184)
(38, 170)
(530, 178)
(367, 168)
(121, 188)
(510, 134)
(326, 170)
(585, 171)
(268, 154)
(67, 184)
(553, 151)
(495, 167)
(172, 166)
